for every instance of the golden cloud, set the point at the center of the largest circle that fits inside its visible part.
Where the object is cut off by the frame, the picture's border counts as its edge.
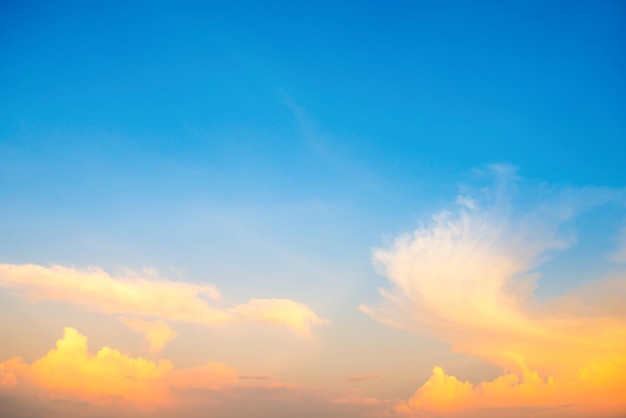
(69, 369)
(113, 383)
(157, 333)
(95, 290)
(280, 312)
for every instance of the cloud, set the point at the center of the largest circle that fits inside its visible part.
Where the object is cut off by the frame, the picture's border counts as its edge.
(281, 312)
(69, 369)
(467, 277)
(95, 290)
(70, 382)
(514, 394)
(157, 333)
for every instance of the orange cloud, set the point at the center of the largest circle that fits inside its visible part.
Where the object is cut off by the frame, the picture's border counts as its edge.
(467, 278)
(95, 290)
(69, 369)
(7, 375)
(114, 384)
(592, 391)
(157, 333)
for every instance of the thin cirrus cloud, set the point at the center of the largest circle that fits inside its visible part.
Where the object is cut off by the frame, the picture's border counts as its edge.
(95, 290)
(467, 278)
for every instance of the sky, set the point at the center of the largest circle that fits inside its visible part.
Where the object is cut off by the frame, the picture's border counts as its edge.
(339, 209)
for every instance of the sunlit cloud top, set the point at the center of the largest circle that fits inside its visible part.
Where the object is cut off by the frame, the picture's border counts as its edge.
(467, 277)
(95, 290)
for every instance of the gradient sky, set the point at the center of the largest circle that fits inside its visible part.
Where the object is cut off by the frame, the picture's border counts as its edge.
(278, 209)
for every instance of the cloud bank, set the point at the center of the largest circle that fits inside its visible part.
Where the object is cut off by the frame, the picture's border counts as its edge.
(468, 278)
(69, 381)
(95, 290)
(69, 369)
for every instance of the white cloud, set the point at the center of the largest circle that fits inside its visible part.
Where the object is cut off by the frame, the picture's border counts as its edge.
(467, 278)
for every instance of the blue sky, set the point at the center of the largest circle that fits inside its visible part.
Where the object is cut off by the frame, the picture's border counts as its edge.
(121, 108)
(268, 148)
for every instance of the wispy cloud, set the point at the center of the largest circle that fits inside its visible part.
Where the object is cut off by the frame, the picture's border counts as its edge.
(467, 278)
(95, 290)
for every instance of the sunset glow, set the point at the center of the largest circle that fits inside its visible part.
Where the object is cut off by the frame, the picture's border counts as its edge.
(234, 209)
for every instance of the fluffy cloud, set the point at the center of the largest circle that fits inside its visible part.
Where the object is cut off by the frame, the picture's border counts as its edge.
(467, 278)
(69, 369)
(514, 394)
(7, 376)
(70, 382)
(157, 333)
(95, 290)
